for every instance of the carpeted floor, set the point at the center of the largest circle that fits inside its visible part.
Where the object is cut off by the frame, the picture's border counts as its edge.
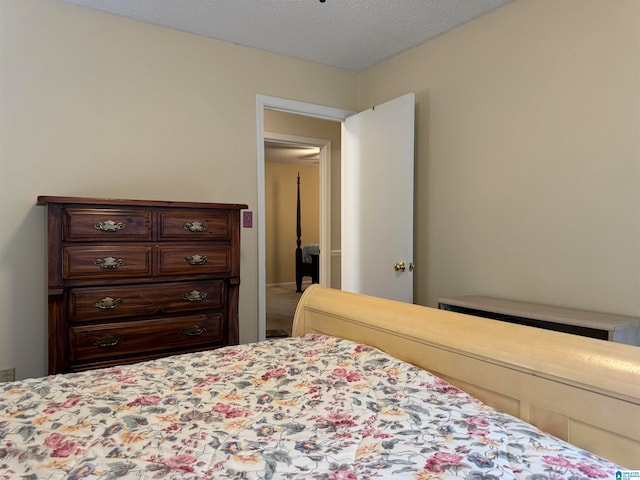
(281, 306)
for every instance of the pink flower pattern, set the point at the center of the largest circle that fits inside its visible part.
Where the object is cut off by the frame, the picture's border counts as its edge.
(439, 461)
(310, 407)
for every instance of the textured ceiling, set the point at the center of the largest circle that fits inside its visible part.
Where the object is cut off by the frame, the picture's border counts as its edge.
(283, 152)
(349, 34)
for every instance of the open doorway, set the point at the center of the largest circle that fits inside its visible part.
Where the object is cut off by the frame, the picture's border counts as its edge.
(265, 106)
(372, 137)
(292, 206)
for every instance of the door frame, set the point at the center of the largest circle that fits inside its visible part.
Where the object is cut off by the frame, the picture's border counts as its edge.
(324, 216)
(299, 108)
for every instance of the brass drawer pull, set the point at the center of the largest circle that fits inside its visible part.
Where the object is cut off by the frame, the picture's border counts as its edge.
(194, 330)
(109, 263)
(108, 303)
(194, 296)
(109, 226)
(196, 260)
(196, 226)
(107, 341)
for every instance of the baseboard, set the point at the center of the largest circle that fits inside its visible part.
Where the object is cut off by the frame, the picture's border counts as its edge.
(287, 284)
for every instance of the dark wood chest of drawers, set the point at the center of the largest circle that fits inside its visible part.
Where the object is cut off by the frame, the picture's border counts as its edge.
(131, 280)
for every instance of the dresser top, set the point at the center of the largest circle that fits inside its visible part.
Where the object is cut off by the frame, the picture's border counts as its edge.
(44, 200)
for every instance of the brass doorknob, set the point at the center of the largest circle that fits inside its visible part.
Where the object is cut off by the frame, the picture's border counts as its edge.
(399, 266)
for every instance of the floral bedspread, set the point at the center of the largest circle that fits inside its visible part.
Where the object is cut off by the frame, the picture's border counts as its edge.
(313, 407)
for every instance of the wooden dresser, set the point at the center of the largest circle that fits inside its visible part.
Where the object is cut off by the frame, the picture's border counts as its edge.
(131, 280)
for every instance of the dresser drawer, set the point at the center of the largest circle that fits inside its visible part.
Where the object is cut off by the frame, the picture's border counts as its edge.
(195, 225)
(108, 303)
(106, 261)
(85, 224)
(193, 259)
(91, 342)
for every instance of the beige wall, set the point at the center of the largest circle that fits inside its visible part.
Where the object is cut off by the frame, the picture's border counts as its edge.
(96, 105)
(280, 211)
(297, 125)
(528, 154)
(527, 166)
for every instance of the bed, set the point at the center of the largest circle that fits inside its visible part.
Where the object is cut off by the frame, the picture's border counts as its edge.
(307, 257)
(345, 398)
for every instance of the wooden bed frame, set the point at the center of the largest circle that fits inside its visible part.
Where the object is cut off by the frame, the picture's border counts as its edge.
(583, 390)
(304, 269)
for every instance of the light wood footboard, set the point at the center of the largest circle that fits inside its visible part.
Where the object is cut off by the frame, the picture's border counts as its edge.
(582, 390)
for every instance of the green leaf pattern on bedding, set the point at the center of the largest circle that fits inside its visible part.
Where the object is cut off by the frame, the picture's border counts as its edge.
(313, 407)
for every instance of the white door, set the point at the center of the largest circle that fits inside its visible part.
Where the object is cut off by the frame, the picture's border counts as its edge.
(377, 200)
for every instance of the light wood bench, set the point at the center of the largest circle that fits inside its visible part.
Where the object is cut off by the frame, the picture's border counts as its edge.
(605, 326)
